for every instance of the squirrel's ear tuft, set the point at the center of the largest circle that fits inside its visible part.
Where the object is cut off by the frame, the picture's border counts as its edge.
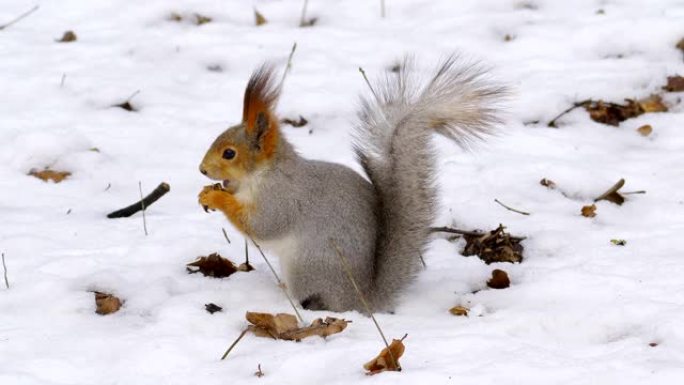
(261, 96)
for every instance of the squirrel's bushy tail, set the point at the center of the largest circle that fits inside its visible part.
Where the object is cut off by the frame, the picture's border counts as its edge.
(393, 146)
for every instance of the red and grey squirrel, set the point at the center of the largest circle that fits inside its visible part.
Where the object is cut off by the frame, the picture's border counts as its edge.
(302, 210)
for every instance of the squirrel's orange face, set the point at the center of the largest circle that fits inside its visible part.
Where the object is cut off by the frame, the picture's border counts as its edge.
(228, 158)
(239, 152)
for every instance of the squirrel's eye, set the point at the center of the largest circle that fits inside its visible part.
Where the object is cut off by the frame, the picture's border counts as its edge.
(229, 154)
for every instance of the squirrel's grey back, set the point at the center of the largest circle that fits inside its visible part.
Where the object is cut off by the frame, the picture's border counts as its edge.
(393, 146)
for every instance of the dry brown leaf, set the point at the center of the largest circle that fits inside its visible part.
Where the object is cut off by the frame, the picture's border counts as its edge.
(47, 174)
(213, 265)
(459, 311)
(295, 123)
(284, 326)
(494, 246)
(653, 103)
(674, 84)
(386, 360)
(106, 303)
(174, 16)
(212, 308)
(548, 183)
(68, 37)
(589, 211)
(612, 194)
(259, 19)
(201, 19)
(645, 130)
(499, 280)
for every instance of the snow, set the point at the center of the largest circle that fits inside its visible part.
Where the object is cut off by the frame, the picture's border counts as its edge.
(579, 311)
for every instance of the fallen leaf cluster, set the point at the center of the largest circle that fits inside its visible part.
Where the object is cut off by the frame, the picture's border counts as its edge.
(494, 246)
(214, 265)
(47, 174)
(283, 326)
(614, 113)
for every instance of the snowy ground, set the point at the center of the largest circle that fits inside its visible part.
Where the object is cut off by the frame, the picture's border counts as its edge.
(580, 310)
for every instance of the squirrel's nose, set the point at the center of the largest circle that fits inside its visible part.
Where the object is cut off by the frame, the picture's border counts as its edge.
(203, 171)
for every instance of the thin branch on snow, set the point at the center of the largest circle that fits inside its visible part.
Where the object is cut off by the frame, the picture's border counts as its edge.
(4, 268)
(287, 67)
(302, 18)
(583, 103)
(142, 203)
(225, 235)
(234, 343)
(20, 17)
(510, 208)
(280, 283)
(363, 73)
(157, 193)
(347, 270)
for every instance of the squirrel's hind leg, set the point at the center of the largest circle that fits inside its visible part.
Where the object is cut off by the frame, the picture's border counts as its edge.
(314, 302)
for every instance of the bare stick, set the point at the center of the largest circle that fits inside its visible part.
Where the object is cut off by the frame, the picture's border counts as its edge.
(234, 343)
(246, 253)
(363, 73)
(4, 268)
(287, 67)
(445, 229)
(159, 192)
(225, 235)
(142, 203)
(280, 283)
(302, 18)
(133, 95)
(382, 8)
(510, 208)
(634, 192)
(583, 103)
(618, 185)
(347, 270)
(18, 18)
(61, 83)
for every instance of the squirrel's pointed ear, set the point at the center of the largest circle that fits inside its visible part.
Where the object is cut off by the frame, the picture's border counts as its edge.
(261, 96)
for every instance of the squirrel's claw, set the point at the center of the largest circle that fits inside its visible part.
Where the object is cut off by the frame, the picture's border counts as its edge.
(206, 208)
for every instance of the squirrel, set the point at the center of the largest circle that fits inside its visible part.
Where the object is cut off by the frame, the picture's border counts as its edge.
(312, 213)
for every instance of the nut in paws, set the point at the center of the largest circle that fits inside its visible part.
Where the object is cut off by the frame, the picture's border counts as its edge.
(208, 196)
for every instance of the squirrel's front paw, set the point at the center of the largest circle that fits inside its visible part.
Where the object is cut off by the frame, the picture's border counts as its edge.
(209, 197)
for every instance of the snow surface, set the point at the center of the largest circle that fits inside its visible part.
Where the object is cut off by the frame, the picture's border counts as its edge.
(580, 310)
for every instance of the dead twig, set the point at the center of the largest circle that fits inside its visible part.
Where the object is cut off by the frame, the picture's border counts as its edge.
(347, 270)
(363, 73)
(302, 18)
(287, 67)
(382, 8)
(225, 235)
(234, 343)
(142, 203)
(280, 283)
(20, 17)
(4, 268)
(157, 193)
(510, 208)
(583, 103)
(445, 229)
